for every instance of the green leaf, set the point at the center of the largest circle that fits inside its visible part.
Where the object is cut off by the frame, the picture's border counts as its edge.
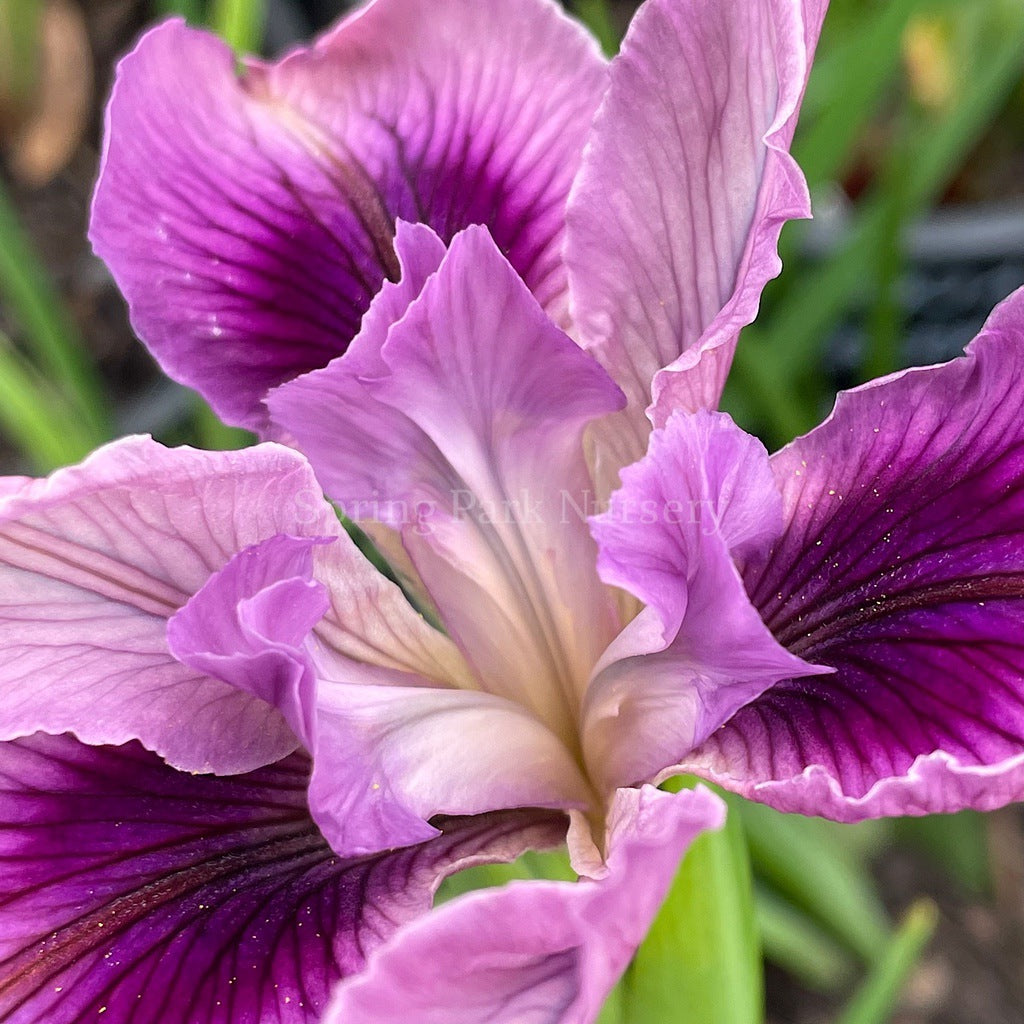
(239, 23)
(215, 435)
(190, 10)
(875, 1000)
(49, 333)
(794, 942)
(805, 859)
(853, 74)
(597, 16)
(779, 359)
(34, 417)
(20, 23)
(955, 841)
(701, 960)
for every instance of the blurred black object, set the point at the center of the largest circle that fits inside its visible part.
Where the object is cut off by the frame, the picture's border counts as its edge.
(960, 262)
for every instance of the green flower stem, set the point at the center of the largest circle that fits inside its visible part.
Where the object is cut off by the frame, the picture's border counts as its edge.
(701, 961)
(239, 23)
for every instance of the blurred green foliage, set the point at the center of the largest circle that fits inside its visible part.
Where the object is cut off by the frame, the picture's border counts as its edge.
(931, 110)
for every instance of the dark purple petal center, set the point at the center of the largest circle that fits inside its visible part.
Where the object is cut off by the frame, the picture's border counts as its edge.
(901, 567)
(152, 896)
(250, 219)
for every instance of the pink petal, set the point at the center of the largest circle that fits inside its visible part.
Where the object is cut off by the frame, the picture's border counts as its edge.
(902, 567)
(93, 563)
(132, 893)
(674, 220)
(248, 216)
(390, 749)
(534, 952)
(469, 441)
(702, 499)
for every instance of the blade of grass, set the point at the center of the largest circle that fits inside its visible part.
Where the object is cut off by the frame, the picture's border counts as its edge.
(701, 960)
(875, 1000)
(955, 841)
(190, 10)
(20, 22)
(792, 941)
(761, 398)
(803, 861)
(799, 324)
(937, 151)
(49, 332)
(35, 419)
(239, 23)
(215, 435)
(853, 75)
(885, 318)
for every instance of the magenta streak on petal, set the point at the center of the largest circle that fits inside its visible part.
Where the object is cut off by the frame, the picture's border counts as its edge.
(32, 549)
(249, 218)
(150, 896)
(902, 567)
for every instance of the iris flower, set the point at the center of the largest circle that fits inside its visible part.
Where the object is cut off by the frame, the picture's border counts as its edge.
(490, 288)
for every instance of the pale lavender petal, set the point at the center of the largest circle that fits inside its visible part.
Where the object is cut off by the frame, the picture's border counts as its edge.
(372, 633)
(248, 214)
(249, 623)
(390, 750)
(419, 252)
(389, 758)
(674, 221)
(470, 443)
(703, 486)
(902, 566)
(701, 500)
(12, 484)
(97, 558)
(135, 894)
(534, 952)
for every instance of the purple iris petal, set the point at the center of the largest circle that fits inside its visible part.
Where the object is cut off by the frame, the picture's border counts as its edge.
(96, 559)
(902, 566)
(898, 567)
(701, 500)
(249, 217)
(676, 213)
(534, 952)
(251, 621)
(131, 892)
(465, 434)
